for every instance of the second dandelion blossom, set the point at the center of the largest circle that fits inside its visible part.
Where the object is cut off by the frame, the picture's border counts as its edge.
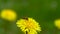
(8, 14)
(28, 25)
(57, 23)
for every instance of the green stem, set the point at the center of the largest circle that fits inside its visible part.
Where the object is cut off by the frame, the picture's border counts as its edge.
(26, 32)
(56, 31)
(5, 29)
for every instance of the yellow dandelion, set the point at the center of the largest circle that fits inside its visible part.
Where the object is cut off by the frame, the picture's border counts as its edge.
(57, 23)
(28, 25)
(8, 14)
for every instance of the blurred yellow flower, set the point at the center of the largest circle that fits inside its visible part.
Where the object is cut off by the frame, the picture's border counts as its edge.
(8, 14)
(28, 25)
(57, 23)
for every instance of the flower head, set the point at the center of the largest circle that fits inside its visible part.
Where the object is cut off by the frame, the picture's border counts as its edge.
(28, 25)
(57, 23)
(8, 14)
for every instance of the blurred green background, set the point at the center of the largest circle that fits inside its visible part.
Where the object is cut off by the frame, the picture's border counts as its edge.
(43, 11)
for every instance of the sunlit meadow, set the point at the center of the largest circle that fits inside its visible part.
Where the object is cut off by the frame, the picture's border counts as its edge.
(29, 16)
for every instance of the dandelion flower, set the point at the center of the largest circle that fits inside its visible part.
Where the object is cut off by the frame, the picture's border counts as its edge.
(57, 23)
(8, 14)
(28, 25)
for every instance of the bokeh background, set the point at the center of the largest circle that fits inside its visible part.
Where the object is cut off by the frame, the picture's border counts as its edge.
(43, 11)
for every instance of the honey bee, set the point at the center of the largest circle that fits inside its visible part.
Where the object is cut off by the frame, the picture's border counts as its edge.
(25, 18)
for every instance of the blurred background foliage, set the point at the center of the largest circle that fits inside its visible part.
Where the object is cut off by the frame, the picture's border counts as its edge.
(43, 11)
